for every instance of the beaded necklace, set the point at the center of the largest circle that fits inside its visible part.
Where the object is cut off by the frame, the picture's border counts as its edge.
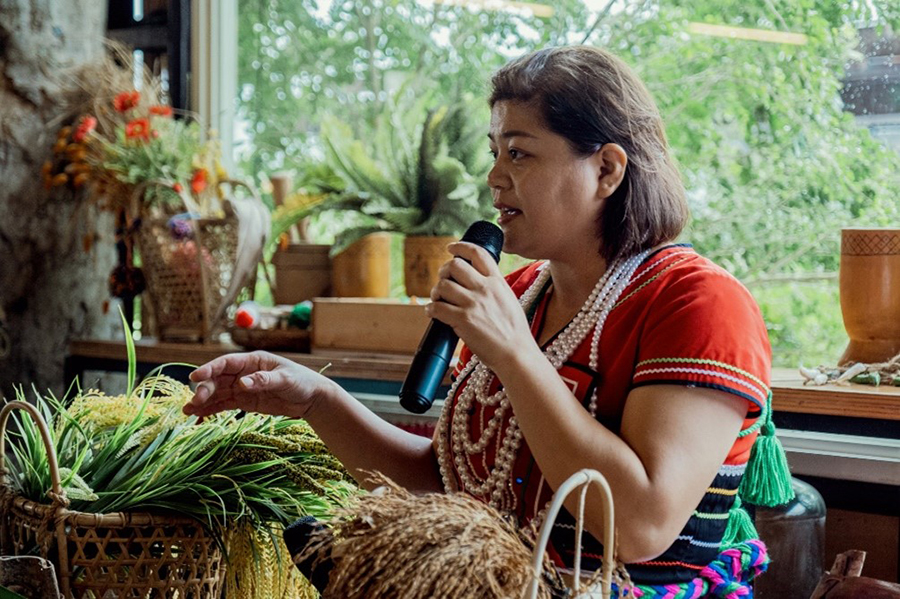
(496, 488)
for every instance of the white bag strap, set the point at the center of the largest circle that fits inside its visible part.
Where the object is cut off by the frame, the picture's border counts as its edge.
(582, 479)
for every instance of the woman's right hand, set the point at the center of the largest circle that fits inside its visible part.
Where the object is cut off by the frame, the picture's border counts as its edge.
(257, 382)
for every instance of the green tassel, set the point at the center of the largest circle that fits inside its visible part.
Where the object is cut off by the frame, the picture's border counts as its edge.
(740, 527)
(767, 481)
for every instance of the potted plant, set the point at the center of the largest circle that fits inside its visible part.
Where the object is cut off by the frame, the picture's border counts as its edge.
(421, 174)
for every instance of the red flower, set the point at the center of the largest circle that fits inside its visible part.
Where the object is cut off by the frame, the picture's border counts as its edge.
(85, 127)
(138, 129)
(199, 180)
(160, 110)
(177, 188)
(126, 101)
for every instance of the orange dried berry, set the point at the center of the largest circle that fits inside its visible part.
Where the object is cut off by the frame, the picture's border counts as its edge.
(80, 179)
(46, 168)
(60, 179)
(64, 132)
(60, 145)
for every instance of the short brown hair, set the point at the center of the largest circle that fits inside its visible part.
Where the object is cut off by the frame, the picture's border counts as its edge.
(591, 98)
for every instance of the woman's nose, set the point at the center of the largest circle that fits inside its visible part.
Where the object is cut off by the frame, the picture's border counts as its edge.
(497, 178)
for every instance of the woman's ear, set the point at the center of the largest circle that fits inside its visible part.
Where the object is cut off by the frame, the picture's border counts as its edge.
(612, 161)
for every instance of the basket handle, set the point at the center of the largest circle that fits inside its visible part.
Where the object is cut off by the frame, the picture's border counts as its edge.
(582, 478)
(56, 490)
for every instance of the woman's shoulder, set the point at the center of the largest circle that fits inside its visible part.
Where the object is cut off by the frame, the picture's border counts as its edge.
(678, 271)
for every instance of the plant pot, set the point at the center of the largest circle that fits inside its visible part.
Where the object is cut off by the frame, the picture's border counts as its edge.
(870, 293)
(302, 272)
(423, 257)
(364, 268)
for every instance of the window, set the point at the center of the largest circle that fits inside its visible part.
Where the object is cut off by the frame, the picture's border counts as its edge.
(784, 116)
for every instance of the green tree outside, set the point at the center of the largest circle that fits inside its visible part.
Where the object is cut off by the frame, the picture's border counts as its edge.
(773, 164)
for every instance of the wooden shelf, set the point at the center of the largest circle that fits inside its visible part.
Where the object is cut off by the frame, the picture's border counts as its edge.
(355, 365)
(788, 392)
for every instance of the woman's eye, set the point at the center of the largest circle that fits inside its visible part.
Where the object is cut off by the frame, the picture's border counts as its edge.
(493, 153)
(514, 153)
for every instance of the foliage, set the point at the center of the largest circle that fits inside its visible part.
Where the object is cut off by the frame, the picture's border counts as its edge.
(122, 138)
(418, 173)
(773, 164)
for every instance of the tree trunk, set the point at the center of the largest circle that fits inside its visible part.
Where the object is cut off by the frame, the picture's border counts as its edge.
(51, 289)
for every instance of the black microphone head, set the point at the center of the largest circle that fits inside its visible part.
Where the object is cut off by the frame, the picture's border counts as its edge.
(487, 235)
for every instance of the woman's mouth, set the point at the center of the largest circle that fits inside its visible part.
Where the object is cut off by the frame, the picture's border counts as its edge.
(507, 213)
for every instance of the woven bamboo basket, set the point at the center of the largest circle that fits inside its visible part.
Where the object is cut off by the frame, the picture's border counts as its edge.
(192, 280)
(106, 556)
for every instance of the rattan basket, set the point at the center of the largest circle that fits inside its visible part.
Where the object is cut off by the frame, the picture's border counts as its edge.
(106, 556)
(192, 280)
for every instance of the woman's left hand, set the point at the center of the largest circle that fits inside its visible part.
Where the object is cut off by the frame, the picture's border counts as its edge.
(473, 297)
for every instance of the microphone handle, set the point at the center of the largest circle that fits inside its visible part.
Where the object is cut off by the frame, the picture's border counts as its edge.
(428, 368)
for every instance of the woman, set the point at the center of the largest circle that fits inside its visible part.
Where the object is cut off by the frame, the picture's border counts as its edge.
(619, 351)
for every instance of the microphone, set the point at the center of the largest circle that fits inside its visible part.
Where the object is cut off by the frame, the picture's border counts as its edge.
(433, 356)
(316, 566)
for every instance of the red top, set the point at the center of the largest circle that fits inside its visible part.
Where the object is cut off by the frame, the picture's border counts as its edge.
(682, 320)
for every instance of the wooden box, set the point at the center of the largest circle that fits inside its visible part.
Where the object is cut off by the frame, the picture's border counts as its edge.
(367, 324)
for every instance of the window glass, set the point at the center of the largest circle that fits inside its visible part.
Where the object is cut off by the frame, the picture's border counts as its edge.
(784, 115)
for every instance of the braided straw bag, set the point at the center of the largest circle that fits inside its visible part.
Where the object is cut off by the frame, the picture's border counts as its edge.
(581, 479)
(191, 281)
(97, 556)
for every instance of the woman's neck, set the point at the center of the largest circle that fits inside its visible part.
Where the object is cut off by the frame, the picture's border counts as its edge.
(573, 283)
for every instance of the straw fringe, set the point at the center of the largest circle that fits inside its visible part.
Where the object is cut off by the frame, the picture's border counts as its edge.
(392, 544)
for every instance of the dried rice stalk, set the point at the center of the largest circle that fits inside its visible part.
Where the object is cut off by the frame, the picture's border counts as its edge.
(392, 544)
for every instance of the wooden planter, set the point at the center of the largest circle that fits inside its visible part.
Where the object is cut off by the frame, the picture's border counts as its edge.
(364, 268)
(423, 257)
(302, 272)
(870, 293)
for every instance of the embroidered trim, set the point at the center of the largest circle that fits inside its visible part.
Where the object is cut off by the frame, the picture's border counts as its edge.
(669, 564)
(651, 279)
(690, 539)
(732, 469)
(710, 516)
(701, 371)
(706, 362)
(717, 491)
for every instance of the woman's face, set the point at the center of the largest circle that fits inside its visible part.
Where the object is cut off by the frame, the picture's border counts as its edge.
(548, 197)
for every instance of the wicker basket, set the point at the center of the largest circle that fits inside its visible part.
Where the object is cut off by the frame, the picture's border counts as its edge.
(106, 556)
(193, 275)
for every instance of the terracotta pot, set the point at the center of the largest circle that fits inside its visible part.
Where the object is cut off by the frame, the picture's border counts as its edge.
(302, 272)
(423, 256)
(870, 293)
(364, 268)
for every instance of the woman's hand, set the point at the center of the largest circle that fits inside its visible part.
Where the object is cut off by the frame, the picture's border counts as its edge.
(474, 299)
(257, 382)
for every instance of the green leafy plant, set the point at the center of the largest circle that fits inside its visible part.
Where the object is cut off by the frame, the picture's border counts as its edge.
(421, 171)
(139, 452)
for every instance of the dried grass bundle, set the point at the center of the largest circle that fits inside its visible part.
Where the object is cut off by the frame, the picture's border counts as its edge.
(392, 544)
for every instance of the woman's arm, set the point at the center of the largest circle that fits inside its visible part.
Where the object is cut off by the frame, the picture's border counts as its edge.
(363, 442)
(673, 441)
